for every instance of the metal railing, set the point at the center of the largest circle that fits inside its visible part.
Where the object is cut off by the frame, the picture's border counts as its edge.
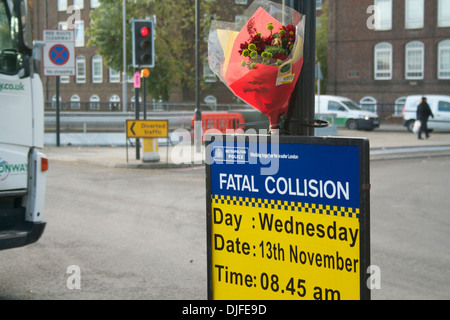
(107, 106)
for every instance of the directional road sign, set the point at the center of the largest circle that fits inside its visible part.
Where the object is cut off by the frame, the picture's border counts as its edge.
(59, 53)
(147, 128)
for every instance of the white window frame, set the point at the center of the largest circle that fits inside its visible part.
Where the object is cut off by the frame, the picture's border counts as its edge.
(94, 102)
(383, 48)
(75, 102)
(399, 105)
(411, 8)
(413, 48)
(383, 19)
(62, 5)
(97, 69)
(95, 3)
(79, 33)
(80, 65)
(114, 76)
(444, 52)
(114, 99)
(443, 13)
(318, 4)
(78, 4)
(368, 103)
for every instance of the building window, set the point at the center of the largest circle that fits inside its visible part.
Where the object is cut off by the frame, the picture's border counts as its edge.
(75, 102)
(114, 103)
(369, 104)
(444, 59)
(114, 76)
(414, 14)
(94, 102)
(399, 104)
(80, 69)
(383, 61)
(211, 102)
(208, 74)
(64, 79)
(444, 13)
(78, 3)
(95, 3)
(79, 33)
(414, 60)
(62, 5)
(318, 4)
(62, 25)
(97, 69)
(53, 106)
(383, 15)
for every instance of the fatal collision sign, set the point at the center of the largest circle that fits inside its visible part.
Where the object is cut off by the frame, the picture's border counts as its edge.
(287, 219)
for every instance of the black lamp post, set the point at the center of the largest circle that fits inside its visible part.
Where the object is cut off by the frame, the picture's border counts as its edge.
(300, 115)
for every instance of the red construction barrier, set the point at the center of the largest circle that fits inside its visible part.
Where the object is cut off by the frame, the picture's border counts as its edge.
(221, 121)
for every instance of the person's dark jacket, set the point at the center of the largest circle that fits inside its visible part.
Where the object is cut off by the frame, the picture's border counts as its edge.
(424, 111)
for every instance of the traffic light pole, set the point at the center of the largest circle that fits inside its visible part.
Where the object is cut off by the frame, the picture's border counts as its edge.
(138, 110)
(198, 112)
(300, 115)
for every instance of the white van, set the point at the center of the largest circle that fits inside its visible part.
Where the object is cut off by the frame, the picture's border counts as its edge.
(440, 106)
(347, 113)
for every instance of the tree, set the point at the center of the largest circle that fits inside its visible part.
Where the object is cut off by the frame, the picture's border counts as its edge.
(174, 40)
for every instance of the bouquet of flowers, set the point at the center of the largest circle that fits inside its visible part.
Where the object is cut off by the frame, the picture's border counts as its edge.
(260, 60)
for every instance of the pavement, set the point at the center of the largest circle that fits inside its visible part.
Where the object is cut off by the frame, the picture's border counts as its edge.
(386, 142)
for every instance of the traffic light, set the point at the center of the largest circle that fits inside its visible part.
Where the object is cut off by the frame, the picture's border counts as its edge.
(143, 49)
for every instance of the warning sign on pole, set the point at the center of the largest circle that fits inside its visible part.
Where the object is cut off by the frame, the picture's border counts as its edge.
(287, 219)
(59, 53)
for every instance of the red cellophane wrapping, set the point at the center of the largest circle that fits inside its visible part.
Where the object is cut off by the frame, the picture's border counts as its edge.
(266, 87)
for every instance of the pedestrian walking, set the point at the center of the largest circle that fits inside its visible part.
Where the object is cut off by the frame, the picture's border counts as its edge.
(423, 113)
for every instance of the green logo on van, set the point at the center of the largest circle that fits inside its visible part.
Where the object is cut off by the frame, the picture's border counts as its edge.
(12, 86)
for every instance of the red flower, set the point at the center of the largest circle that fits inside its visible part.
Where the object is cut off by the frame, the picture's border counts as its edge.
(281, 56)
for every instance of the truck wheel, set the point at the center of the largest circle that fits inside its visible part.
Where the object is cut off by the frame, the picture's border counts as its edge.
(352, 125)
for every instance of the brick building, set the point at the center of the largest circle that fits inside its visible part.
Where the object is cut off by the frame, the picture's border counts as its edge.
(379, 55)
(97, 87)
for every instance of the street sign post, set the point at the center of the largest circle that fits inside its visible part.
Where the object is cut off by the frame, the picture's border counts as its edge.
(150, 131)
(287, 218)
(59, 53)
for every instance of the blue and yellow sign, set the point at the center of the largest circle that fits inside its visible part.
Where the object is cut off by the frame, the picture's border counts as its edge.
(287, 219)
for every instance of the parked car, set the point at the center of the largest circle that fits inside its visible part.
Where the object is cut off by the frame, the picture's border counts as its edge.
(347, 113)
(440, 106)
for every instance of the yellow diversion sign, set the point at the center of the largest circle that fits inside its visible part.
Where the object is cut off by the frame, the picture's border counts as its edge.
(288, 220)
(147, 128)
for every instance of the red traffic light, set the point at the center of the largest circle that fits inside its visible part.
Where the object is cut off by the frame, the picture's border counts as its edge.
(145, 31)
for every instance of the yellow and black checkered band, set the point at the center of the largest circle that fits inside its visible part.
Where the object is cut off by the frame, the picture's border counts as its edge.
(300, 207)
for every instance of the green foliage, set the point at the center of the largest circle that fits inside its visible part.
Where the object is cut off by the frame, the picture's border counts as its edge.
(174, 40)
(322, 45)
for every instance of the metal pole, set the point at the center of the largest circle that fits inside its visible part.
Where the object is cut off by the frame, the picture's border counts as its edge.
(144, 98)
(124, 74)
(57, 113)
(301, 105)
(198, 112)
(137, 106)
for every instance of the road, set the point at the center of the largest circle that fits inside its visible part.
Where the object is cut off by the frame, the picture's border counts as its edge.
(141, 234)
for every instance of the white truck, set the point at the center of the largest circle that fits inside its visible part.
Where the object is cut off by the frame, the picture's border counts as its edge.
(22, 165)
